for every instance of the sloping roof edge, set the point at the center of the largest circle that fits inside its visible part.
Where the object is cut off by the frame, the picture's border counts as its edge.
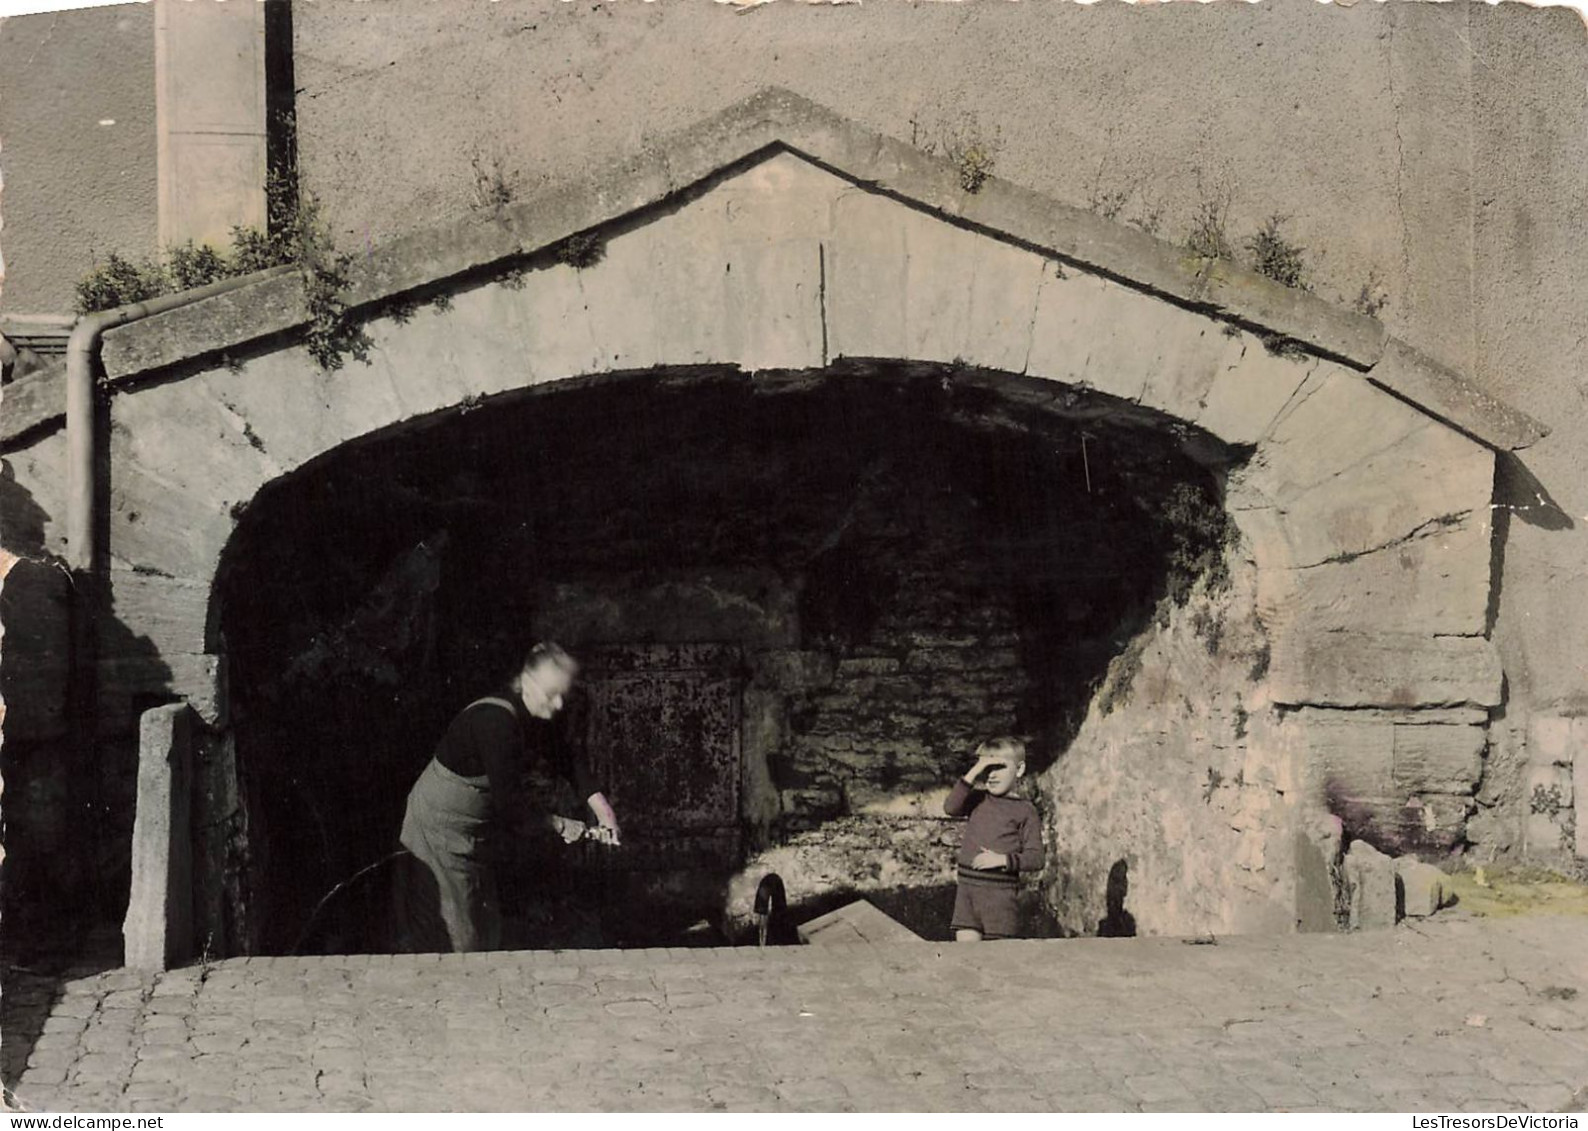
(779, 119)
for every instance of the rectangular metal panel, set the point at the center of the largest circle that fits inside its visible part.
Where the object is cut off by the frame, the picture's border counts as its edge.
(664, 740)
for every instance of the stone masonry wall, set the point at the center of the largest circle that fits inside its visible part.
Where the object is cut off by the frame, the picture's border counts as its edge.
(1555, 828)
(937, 674)
(1172, 813)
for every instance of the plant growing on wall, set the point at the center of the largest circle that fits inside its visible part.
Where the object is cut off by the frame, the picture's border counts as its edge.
(1372, 297)
(119, 282)
(1201, 533)
(491, 187)
(296, 234)
(1209, 237)
(973, 151)
(1275, 256)
(580, 250)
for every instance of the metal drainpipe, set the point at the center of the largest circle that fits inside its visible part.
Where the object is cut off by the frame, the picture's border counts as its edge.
(82, 348)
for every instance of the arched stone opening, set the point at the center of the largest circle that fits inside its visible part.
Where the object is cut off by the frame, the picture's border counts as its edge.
(778, 240)
(802, 600)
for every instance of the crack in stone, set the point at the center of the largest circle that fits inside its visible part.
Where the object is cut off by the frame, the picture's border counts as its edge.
(1370, 456)
(1292, 404)
(1421, 530)
(1031, 326)
(1400, 154)
(821, 296)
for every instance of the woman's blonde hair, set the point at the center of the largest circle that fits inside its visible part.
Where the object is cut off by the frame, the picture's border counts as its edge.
(549, 651)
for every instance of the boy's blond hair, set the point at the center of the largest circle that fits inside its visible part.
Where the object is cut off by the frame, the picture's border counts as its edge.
(1007, 745)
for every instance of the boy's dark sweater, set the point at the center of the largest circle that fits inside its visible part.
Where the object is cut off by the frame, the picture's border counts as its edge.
(1009, 825)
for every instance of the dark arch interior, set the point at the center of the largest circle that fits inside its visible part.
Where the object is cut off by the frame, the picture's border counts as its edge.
(952, 563)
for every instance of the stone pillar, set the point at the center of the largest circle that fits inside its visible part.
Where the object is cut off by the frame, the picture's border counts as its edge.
(158, 930)
(209, 62)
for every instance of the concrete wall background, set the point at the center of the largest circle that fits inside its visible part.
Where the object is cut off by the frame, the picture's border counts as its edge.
(1352, 121)
(1443, 147)
(74, 190)
(1530, 346)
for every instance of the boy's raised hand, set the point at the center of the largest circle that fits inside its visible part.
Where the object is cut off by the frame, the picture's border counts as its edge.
(974, 774)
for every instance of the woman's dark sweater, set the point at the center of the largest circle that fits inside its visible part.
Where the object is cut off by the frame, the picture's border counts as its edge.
(488, 740)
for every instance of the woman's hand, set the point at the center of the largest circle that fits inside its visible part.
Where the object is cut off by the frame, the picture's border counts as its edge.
(603, 835)
(569, 829)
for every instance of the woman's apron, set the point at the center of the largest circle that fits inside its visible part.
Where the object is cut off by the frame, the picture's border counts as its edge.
(443, 827)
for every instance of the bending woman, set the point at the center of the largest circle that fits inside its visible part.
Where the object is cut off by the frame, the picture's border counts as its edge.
(469, 803)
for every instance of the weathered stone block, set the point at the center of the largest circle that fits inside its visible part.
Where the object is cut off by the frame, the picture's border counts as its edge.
(171, 613)
(158, 927)
(33, 501)
(1197, 350)
(1358, 669)
(1428, 480)
(275, 302)
(196, 678)
(1548, 800)
(1246, 396)
(32, 400)
(1336, 423)
(1542, 833)
(1432, 822)
(1422, 887)
(1580, 789)
(161, 429)
(765, 724)
(1290, 310)
(435, 359)
(793, 671)
(1435, 584)
(1315, 903)
(1350, 752)
(268, 394)
(1436, 758)
(1409, 374)
(866, 292)
(772, 302)
(158, 527)
(1371, 877)
(1093, 332)
(1553, 738)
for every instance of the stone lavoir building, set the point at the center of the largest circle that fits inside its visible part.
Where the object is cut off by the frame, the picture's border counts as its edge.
(905, 376)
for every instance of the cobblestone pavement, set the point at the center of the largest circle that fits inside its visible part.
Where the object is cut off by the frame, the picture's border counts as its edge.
(1454, 1014)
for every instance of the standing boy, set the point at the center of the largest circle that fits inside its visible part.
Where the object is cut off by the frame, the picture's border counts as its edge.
(1002, 839)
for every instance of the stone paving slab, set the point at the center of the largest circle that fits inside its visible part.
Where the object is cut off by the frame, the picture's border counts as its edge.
(1454, 1014)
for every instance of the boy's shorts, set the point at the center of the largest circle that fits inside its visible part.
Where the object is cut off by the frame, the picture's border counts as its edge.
(989, 907)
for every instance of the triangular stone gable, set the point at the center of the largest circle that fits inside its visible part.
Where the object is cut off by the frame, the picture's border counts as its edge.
(778, 120)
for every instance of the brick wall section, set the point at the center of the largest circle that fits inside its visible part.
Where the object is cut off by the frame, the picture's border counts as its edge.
(939, 671)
